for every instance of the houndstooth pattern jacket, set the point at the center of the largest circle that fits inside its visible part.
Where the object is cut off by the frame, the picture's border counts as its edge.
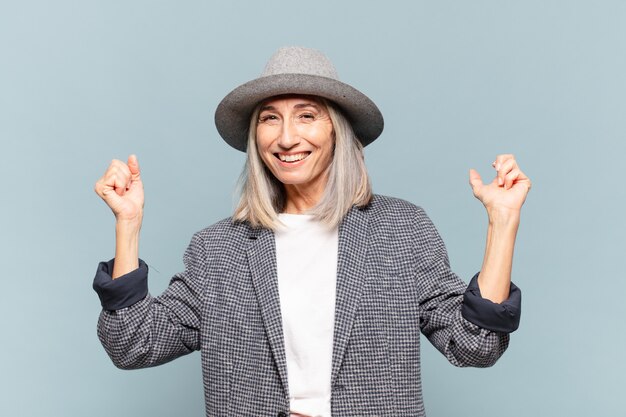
(393, 283)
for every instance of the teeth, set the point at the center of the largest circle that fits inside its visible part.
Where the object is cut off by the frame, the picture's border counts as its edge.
(292, 158)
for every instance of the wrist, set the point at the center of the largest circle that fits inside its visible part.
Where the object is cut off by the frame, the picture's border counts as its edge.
(128, 226)
(126, 249)
(503, 217)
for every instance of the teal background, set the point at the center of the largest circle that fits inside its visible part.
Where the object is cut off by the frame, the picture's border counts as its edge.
(83, 82)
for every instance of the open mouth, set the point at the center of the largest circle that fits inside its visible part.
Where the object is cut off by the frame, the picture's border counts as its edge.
(292, 158)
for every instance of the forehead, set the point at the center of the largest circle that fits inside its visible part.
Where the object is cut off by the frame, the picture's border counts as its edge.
(292, 100)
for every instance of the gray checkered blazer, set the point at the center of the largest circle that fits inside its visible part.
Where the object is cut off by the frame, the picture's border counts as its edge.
(393, 283)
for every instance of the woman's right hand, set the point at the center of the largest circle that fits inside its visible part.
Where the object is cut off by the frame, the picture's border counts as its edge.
(122, 190)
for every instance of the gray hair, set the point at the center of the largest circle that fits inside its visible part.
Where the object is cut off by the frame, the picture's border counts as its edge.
(262, 196)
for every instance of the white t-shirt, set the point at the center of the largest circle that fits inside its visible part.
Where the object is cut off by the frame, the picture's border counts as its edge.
(306, 254)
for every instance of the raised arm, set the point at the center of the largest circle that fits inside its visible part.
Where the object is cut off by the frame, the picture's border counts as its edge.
(503, 199)
(136, 329)
(122, 190)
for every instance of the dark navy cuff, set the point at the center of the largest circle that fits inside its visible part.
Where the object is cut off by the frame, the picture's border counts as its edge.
(503, 317)
(121, 292)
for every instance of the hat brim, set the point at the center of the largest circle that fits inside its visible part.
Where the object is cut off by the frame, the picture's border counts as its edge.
(232, 116)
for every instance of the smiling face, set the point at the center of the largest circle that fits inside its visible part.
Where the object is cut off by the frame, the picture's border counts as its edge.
(295, 140)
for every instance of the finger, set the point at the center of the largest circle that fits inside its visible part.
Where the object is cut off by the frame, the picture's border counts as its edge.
(475, 181)
(522, 178)
(505, 168)
(500, 159)
(118, 177)
(106, 183)
(504, 165)
(511, 178)
(106, 192)
(100, 187)
(120, 186)
(133, 166)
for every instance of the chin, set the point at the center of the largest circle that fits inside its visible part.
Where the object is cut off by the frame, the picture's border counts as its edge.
(291, 181)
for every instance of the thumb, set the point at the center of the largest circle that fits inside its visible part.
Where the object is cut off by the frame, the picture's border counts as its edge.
(133, 166)
(475, 180)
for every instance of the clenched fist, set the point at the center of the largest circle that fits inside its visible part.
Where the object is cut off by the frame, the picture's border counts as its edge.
(507, 191)
(122, 190)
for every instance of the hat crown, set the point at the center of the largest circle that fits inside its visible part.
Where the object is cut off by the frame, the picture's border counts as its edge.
(299, 60)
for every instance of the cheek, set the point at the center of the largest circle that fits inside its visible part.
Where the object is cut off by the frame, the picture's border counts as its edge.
(262, 141)
(264, 159)
(328, 135)
(322, 136)
(264, 134)
(263, 154)
(329, 143)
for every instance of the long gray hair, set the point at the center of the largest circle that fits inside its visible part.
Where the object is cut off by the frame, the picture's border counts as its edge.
(262, 196)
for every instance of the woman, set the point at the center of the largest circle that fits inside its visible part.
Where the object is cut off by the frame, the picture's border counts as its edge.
(310, 300)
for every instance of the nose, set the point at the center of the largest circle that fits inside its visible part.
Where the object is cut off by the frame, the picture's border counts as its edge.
(289, 137)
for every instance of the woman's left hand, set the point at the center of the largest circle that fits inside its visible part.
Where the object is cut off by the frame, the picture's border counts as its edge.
(507, 192)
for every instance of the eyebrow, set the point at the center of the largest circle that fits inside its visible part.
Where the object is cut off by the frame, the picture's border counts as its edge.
(297, 106)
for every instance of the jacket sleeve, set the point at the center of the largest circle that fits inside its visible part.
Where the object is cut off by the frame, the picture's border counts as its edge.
(138, 330)
(474, 332)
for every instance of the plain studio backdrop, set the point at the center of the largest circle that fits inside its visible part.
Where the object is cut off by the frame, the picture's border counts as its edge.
(83, 82)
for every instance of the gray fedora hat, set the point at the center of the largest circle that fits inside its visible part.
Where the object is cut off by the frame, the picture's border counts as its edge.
(296, 70)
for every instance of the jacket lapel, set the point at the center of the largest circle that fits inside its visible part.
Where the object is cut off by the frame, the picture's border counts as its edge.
(350, 277)
(262, 262)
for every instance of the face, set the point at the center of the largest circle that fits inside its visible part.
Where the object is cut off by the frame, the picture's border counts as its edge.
(295, 139)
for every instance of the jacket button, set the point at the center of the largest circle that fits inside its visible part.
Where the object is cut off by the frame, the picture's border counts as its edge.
(282, 414)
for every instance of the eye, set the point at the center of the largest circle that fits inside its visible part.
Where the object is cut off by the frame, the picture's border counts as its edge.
(307, 116)
(267, 118)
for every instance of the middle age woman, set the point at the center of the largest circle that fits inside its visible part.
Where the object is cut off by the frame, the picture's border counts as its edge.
(311, 299)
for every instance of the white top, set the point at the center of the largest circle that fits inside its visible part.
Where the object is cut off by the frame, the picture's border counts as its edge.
(306, 254)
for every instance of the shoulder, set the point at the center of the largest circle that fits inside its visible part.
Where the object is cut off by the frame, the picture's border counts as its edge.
(225, 228)
(220, 249)
(393, 208)
(406, 226)
(400, 218)
(223, 234)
